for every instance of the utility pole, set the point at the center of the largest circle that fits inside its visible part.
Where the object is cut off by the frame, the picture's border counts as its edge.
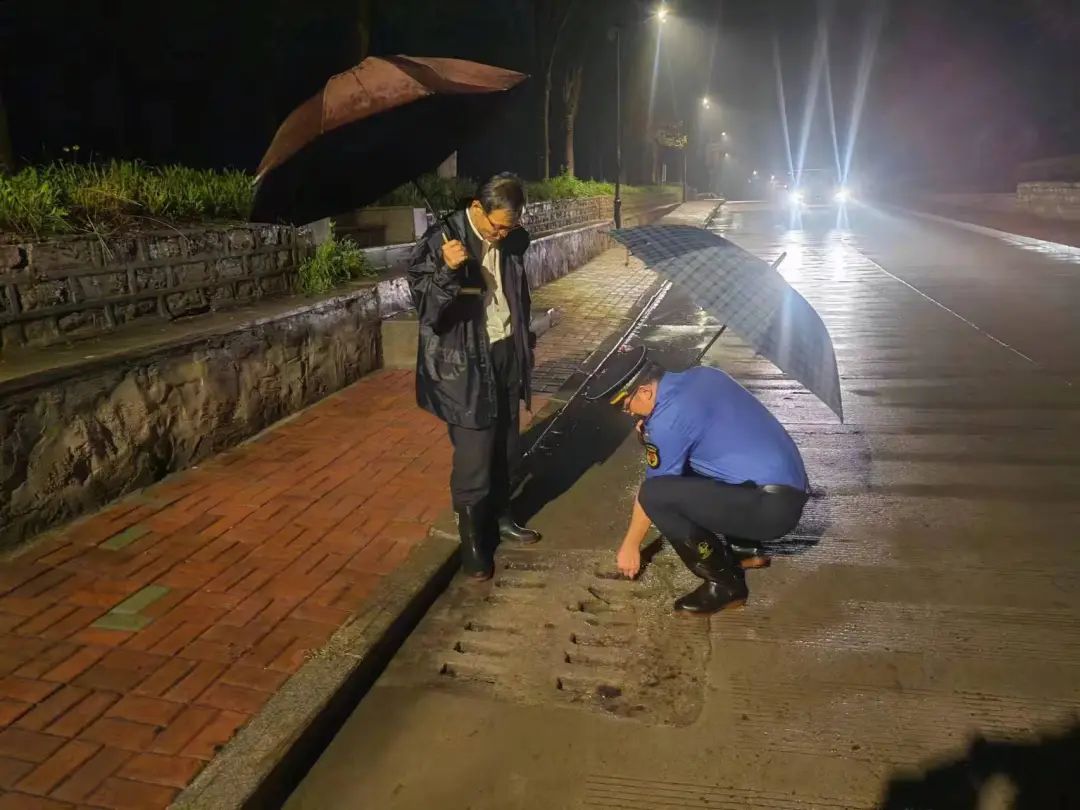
(618, 127)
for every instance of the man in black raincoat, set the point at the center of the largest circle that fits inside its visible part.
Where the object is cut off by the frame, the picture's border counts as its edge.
(474, 358)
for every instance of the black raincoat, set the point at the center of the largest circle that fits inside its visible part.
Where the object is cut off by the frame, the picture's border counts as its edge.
(454, 378)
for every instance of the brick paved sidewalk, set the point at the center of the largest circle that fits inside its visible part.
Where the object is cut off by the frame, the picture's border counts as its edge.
(136, 642)
(596, 299)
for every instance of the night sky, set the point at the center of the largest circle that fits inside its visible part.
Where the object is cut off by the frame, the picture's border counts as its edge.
(959, 90)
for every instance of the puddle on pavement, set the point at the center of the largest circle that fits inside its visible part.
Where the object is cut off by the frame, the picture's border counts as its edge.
(560, 628)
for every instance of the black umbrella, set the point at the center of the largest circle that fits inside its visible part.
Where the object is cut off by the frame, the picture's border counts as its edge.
(371, 129)
(748, 296)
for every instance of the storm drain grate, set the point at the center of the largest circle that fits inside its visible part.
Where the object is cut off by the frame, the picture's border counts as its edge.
(557, 627)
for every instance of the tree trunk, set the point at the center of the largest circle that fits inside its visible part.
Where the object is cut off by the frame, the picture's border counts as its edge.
(572, 99)
(554, 45)
(7, 156)
(547, 123)
(570, 146)
(364, 28)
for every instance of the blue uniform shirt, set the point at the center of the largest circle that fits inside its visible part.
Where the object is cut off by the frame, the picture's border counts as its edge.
(706, 423)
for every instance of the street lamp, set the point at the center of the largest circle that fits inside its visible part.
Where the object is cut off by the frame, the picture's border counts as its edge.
(616, 32)
(755, 172)
(706, 103)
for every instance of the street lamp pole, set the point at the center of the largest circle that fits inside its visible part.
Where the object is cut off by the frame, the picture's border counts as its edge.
(618, 127)
(685, 149)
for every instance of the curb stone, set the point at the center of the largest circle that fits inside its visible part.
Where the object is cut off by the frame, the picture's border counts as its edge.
(259, 767)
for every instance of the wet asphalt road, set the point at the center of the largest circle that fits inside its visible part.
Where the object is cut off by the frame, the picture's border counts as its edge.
(929, 595)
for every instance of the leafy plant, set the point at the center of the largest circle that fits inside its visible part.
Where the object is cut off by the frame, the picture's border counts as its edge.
(334, 262)
(567, 187)
(30, 203)
(672, 135)
(67, 196)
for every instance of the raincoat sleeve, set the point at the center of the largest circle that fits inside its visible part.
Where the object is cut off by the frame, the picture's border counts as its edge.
(433, 285)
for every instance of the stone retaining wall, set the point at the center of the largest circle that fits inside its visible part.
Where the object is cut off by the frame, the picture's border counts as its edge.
(79, 287)
(542, 218)
(1052, 200)
(1056, 200)
(76, 438)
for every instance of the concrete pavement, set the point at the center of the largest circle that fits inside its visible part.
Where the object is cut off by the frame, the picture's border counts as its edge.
(927, 600)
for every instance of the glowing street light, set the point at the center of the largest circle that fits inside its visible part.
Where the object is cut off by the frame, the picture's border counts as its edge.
(755, 172)
(723, 134)
(616, 33)
(706, 103)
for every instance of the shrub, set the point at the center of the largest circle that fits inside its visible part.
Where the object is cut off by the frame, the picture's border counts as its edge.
(566, 187)
(334, 262)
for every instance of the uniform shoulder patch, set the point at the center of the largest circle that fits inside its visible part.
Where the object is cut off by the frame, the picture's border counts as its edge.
(652, 455)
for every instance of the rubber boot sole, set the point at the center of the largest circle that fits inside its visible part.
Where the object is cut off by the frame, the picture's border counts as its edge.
(733, 605)
(755, 562)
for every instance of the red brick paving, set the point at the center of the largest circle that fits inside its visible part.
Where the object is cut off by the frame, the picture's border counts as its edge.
(266, 550)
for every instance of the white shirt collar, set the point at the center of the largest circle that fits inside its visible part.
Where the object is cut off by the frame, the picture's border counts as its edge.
(483, 241)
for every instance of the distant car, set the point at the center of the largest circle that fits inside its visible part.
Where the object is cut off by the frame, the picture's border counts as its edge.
(816, 189)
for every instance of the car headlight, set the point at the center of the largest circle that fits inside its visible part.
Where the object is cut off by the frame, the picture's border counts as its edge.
(795, 197)
(842, 196)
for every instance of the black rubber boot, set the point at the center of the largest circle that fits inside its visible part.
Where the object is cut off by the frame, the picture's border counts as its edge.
(748, 554)
(511, 531)
(725, 583)
(477, 554)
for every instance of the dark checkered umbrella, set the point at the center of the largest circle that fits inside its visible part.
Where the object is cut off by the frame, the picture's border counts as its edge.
(743, 292)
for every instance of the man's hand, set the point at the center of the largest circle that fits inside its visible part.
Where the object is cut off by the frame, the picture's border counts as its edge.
(454, 254)
(629, 560)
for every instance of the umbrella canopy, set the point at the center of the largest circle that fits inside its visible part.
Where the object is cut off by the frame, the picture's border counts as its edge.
(371, 129)
(750, 297)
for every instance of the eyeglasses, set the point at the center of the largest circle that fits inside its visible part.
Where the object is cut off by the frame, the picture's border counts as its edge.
(499, 231)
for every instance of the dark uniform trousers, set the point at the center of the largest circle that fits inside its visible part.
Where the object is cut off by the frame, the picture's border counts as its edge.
(486, 461)
(684, 506)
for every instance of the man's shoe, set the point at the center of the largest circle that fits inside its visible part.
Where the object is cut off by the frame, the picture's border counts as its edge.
(714, 595)
(511, 531)
(749, 557)
(477, 560)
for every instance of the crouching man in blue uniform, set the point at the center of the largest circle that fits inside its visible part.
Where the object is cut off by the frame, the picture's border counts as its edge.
(722, 476)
